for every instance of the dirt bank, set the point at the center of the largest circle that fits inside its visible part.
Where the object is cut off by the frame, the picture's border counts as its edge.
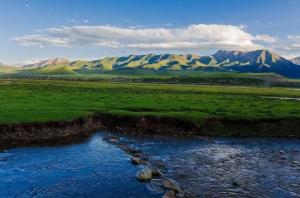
(14, 135)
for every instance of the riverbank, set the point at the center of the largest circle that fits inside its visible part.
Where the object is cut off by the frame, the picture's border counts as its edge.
(51, 133)
(35, 112)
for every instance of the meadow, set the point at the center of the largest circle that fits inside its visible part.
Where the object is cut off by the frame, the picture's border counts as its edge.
(169, 77)
(30, 100)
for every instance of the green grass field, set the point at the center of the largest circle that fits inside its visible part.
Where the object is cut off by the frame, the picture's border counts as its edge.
(53, 100)
(163, 77)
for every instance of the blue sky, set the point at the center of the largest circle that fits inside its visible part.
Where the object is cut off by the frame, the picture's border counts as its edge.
(89, 29)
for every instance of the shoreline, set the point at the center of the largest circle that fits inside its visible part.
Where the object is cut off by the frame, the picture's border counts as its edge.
(63, 132)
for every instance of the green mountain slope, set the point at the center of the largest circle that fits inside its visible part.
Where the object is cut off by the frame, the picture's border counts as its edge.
(56, 66)
(259, 61)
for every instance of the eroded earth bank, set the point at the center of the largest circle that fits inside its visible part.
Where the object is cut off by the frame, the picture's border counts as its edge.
(60, 132)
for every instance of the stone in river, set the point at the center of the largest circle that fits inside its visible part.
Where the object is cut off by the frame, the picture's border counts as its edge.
(136, 161)
(235, 184)
(169, 194)
(158, 163)
(145, 174)
(171, 184)
(113, 140)
(128, 149)
(156, 172)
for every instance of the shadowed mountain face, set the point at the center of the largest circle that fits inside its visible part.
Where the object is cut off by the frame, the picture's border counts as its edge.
(237, 61)
(260, 57)
(257, 62)
(296, 60)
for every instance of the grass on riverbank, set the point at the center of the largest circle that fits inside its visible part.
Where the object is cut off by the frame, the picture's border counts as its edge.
(53, 100)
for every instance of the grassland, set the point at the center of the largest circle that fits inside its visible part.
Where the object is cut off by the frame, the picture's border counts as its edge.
(183, 77)
(54, 100)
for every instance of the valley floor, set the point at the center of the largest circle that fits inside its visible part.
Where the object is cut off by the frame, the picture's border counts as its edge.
(201, 110)
(55, 100)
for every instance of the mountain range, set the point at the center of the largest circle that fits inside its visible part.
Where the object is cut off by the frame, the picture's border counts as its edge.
(296, 60)
(259, 61)
(45, 63)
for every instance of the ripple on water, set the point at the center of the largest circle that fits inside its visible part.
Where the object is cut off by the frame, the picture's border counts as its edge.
(221, 167)
(254, 167)
(91, 169)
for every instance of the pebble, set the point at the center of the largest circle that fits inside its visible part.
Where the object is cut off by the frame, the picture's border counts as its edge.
(145, 174)
(136, 161)
(169, 194)
(113, 140)
(156, 172)
(171, 184)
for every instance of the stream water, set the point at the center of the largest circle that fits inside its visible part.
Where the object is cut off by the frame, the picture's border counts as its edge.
(216, 167)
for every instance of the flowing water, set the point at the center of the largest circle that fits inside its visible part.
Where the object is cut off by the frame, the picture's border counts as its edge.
(91, 169)
(217, 167)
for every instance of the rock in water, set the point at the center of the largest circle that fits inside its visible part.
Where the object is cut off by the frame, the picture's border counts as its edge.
(156, 172)
(171, 184)
(169, 194)
(113, 139)
(158, 163)
(136, 161)
(129, 150)
(145, 174)
(235, 184)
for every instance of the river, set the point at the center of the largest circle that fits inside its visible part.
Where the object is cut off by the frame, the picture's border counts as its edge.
(209, 167)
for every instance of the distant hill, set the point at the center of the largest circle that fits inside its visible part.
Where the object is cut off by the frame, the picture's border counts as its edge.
(296, 60)
(49, 62)
(259, 61)
(55, 66)
(6, 68)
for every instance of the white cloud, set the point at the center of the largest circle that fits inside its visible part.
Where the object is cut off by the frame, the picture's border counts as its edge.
(266, 38)
(199, 36)
(294, 42)
(296, 45)
(294, 38)
(41, 41)
(288, 46)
